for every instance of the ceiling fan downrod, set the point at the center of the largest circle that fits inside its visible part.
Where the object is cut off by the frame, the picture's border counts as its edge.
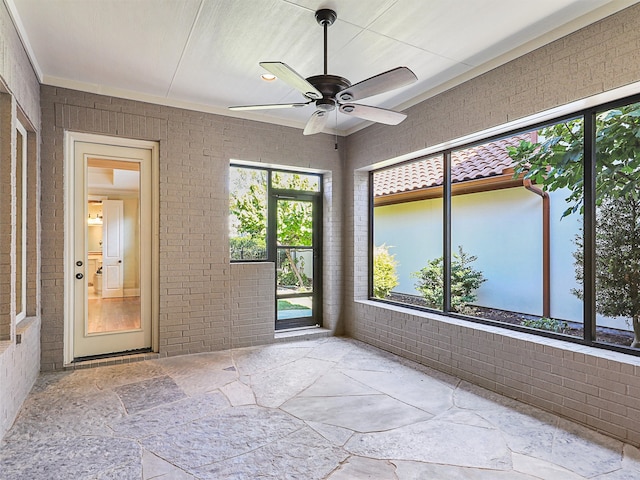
(325, 18)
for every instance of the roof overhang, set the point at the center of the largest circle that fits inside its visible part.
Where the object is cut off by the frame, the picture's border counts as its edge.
(486, 184)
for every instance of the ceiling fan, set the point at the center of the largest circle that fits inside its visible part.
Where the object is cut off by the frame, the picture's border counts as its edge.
(329, 92)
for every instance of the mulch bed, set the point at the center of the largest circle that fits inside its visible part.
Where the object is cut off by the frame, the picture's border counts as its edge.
(605, 335)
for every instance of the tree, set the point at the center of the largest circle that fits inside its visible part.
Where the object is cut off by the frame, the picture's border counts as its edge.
(617, 261)
(248, 207)
(556, 162)
(465, 280)
(294, 218)
(385, 278)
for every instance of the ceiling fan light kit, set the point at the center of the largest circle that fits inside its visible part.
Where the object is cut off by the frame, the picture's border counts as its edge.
(329, 92)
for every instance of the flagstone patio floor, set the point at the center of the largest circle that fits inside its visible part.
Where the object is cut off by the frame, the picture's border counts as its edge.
(329, 408)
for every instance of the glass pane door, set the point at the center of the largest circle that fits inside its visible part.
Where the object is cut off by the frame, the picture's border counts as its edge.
(112, 301)
(296, 268)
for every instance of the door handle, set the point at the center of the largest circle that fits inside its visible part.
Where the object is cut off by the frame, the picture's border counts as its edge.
(119, 261)
(79, 276)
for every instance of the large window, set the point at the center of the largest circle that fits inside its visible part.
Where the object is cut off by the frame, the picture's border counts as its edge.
(616, 265)
(535, 231)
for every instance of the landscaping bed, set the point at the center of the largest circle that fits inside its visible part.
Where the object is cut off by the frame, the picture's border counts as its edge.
(604, 335)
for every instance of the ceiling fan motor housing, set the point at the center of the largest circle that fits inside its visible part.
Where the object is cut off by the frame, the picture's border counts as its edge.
(326, 104)
(329, 85)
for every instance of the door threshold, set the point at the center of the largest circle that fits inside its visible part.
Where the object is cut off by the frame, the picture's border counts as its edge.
(118, 358)
(302, 333)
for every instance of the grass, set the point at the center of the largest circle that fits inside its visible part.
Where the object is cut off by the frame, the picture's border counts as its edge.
(286, 305)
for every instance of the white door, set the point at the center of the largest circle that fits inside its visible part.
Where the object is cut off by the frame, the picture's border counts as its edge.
(103, 319)
(112, 248)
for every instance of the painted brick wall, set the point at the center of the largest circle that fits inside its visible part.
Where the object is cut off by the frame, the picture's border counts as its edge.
(15, 69)
(253, 304)
(597, 388)
(20, 98)
(196, 278)
(19, 367)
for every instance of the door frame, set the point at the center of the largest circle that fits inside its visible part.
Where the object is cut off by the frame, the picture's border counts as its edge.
(70, 140)
(315, 199)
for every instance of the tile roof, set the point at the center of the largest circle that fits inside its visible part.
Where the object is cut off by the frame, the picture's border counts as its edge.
(481, 161)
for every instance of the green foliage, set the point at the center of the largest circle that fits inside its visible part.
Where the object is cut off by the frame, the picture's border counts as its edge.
(295, 223)
(557, 160)
(465, 280)
(385, 278)
(249, 207)
(291, 273)
(617, 262)
(246, 248)
(287, 305)
(550, 324)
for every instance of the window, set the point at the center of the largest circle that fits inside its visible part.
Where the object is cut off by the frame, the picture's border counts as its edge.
(248, 214)
(21, 223)
(535, 231)
(276, 216)
(407, 229)
(512, 245)
(617, 224)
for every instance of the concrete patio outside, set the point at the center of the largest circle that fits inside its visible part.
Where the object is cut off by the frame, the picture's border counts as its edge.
(328, 408)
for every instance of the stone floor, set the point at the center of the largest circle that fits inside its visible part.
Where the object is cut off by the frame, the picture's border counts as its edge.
(320, 409)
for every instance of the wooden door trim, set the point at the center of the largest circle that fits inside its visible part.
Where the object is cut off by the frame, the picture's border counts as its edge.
(70, 139)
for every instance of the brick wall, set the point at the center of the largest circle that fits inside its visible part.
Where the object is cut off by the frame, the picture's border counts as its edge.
(196, 278)
(594, 387)
(253, 303)
(19, 367)
(19, 344)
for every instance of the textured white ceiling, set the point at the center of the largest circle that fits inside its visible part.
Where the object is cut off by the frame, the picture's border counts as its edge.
(204, 54)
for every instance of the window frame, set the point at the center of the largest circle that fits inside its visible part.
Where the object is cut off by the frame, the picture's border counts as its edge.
(588, 116)
(274, 192)
(21, 223)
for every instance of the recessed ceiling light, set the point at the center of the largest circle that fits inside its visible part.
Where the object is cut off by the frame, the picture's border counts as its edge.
(268, 77)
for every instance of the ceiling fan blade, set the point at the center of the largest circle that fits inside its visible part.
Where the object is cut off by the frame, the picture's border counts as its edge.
(384, 82)
(288, 75)
(270, 107)
(374, 114)
(316, 123)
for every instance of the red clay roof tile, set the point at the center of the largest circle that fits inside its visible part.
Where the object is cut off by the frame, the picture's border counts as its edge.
(481, 161)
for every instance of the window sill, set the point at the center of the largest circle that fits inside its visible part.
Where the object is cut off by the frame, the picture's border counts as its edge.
(22, 326)
(566, 346)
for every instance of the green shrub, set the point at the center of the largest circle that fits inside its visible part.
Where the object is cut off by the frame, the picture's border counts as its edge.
(544, 323)
(247, 248)
(385, 278)
(465, 280)
(291, 274)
